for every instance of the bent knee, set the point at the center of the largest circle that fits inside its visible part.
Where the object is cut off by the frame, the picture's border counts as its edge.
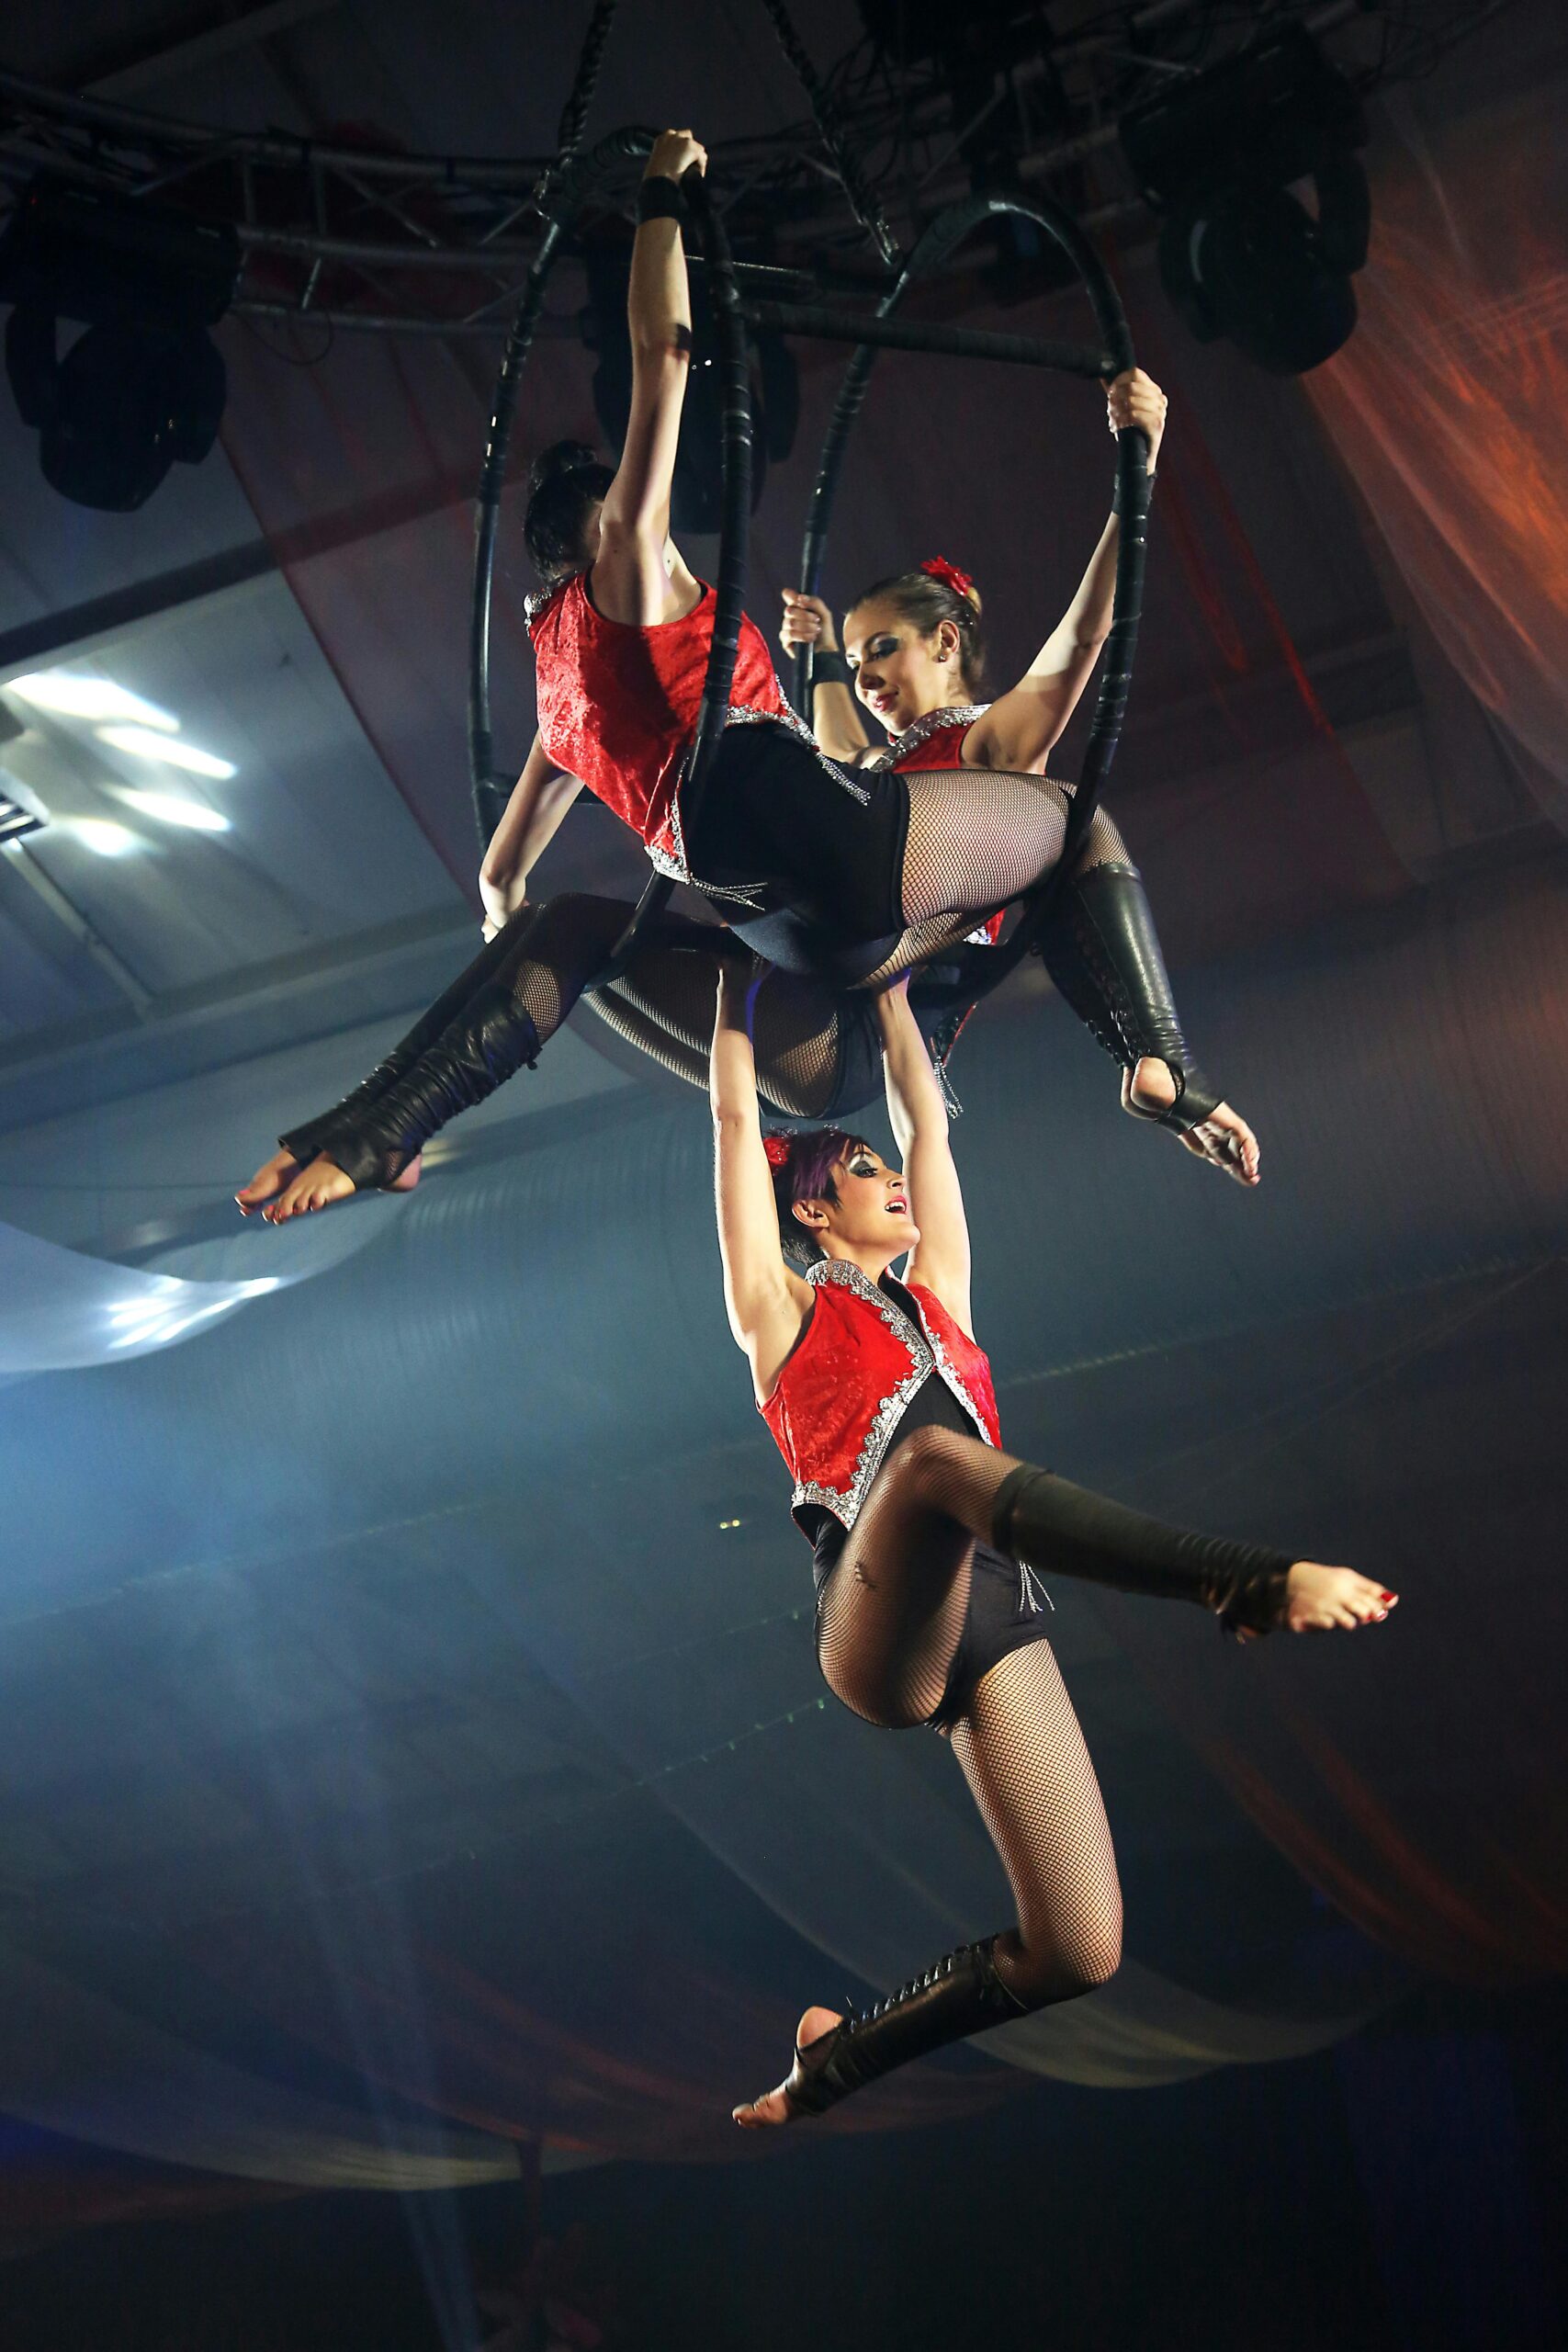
(927, 1458)
(1065, 1971)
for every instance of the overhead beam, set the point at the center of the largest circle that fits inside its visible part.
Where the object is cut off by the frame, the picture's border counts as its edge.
(75, 627)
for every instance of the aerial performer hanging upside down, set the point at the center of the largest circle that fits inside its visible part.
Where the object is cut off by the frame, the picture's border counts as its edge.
(843, 873)
(929, 1540)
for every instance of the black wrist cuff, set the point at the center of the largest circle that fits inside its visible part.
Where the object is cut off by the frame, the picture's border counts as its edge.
(660, 200)
(829, 667)
(1116, 492)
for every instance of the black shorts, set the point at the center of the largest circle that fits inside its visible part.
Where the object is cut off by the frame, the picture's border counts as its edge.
(1007, 1611)
(825, 841)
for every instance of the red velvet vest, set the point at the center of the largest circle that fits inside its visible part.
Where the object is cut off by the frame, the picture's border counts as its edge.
(619, 705)
(844, 1391)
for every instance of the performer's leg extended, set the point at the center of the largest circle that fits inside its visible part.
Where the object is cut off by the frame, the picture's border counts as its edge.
(302, 1142)
(518, 1001)
(891, 1618)
(1099, 942)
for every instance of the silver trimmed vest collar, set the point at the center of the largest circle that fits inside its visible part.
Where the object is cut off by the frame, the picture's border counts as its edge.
(921, 730)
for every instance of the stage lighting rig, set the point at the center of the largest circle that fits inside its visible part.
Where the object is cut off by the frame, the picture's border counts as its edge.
(145, 385)
(1221, 156)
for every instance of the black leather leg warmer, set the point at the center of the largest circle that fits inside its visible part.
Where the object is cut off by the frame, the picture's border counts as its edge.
(305, 1140)
(1100, 948)
(959, 1996)
(491, 1039)
(1057, 1527)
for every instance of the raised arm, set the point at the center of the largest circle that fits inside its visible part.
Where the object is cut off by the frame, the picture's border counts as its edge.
(1022, 725)
(767, 1304)
(637, 577)
(915, 1104)
(540, 798)
(835, 714)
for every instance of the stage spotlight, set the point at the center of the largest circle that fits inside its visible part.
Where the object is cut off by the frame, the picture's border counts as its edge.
(1240, 254)
(145, 385)
(696, 502)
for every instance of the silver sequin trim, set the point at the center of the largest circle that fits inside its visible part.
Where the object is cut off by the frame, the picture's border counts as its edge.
(921, 730)
(926, 1355)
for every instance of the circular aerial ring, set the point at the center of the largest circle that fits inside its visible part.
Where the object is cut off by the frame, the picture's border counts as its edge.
(946, 232)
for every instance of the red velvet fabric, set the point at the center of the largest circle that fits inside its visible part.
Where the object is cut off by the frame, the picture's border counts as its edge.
(838, 1401)
(617, 705)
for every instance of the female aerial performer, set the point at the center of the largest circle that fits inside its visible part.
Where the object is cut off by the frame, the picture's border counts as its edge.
(927, 1537)
(873, 871)
(914, 653)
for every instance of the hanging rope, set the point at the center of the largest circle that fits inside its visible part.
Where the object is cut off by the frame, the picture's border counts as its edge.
(574, 114)
(851, 179)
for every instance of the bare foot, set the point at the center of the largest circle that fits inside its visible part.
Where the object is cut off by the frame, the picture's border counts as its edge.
(774, 2107)
(267, 1182)
(1323, 1600)
(315, 1187)
(1223, 1138)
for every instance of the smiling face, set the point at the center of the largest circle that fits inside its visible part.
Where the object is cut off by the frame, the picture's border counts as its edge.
(870, 1218)
(899, 673)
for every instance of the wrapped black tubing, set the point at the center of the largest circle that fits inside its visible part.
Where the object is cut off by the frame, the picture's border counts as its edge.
(735, 524)
(946, 232)
(572, 183)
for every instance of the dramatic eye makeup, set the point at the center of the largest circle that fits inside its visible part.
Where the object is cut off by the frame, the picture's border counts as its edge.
(863, 1164)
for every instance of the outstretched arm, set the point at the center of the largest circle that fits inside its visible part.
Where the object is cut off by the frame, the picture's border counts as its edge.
(835, 715)
(637, 576)
(767, 1304)
(1022, 725)
(916, 1106)
(540, 798)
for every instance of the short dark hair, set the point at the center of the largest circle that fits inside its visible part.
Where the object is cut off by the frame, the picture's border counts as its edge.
(920, 596)
(565, 483)
(803, 1164)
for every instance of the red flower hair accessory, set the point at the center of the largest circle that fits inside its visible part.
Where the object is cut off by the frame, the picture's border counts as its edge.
(949, 575)
(777, 1150)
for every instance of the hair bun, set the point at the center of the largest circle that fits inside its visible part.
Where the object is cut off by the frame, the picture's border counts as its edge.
(559, 460)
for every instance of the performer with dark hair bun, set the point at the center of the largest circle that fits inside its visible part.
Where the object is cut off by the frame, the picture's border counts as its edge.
(929, 1539)
(843, 875)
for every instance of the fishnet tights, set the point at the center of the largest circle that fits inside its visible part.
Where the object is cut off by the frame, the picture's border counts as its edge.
(1029, 1770)
(978, 837)
(664, 1004)
(891, 1615)
(664, 1001)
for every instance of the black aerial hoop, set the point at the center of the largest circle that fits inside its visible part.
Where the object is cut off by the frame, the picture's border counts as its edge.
(945, 233)
(561, 196)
